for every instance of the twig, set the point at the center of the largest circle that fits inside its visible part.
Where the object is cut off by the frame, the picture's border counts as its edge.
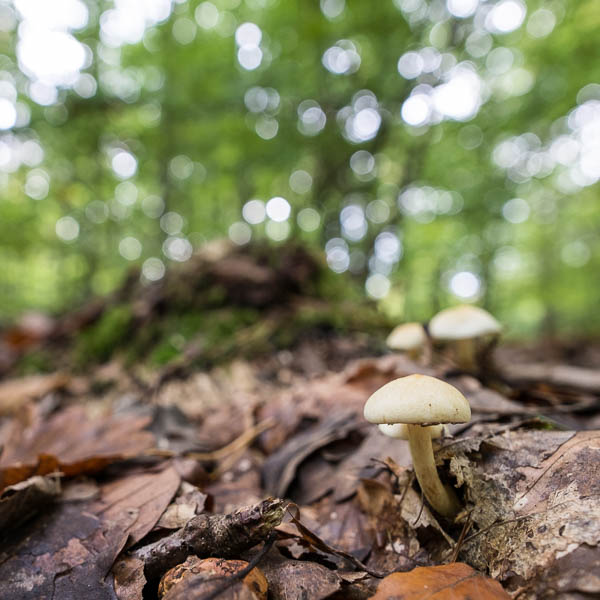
(239, 443)
(213, 535)
(461, 538)
(420, 510)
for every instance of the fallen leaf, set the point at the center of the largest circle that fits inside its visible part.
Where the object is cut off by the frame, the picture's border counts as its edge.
(129, 579)
(14, 393)
(66, 554)
(69, 442)
(144, 495)
(455, 581)
(188, 502)
(22, 501)
(280, 468)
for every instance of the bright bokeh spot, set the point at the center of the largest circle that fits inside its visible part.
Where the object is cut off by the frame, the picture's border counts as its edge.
(301, 181)
(377, 286)
(416, 110)
(465, 285)
(333, 8)
(338, 255)
(250, 57)
(516, 210)
(8, 114)
(240, 233)
(410, 65)
(311, 118)
(278, 209)
(342, 59)
(541, 23)
(153, 269)
(460, 97)
(124, 164)
(353, 222)
(52, 57)
(207, 15)
(171, 223)
(308, 219)
(462, 8)
(130, 248)
(127, 22)
(153, 206)
(366, 124)
(506, 16)
(67, 229)
(254, 212)
(177, 248)
(266, 127)
(278, 231)
(248, 34)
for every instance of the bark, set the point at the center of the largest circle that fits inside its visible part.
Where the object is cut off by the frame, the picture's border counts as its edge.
(222, 536)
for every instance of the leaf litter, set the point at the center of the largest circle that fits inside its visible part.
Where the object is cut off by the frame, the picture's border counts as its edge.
(118, 476)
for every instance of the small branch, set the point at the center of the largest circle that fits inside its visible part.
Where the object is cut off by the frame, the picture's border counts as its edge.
(213, 535)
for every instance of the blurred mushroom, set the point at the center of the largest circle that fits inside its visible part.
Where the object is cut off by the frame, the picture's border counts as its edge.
(463, 326)
(408, 337)
(415, 401)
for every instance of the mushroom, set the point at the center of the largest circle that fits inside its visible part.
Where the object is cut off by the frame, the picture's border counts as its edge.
(415, 401)
(408, 337)
(464, 325)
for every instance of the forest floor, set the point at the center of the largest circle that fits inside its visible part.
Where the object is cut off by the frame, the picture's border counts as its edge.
(203, 438)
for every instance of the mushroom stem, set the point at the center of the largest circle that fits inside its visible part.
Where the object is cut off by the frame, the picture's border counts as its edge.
(441, 497)
(465, 354)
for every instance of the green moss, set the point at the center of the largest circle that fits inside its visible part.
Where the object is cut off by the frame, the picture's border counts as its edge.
(98, 342)
(37, 361)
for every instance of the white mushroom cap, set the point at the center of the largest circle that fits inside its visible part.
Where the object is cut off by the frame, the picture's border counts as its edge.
(400, 431)
(417, 399)
(463, 322)
(408, 336)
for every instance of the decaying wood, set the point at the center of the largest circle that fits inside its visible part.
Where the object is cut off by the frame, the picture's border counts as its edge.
(223, 536)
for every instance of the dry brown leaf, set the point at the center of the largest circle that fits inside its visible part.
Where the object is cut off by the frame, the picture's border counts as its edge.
(144, 495)
(20, 502)
(280, 468)
(455, 581)
(14, 393)
(69, 442)
(66, 554)
(188, 503)
(129, 579)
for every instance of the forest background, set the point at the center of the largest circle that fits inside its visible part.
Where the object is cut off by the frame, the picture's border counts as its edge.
(436, 152)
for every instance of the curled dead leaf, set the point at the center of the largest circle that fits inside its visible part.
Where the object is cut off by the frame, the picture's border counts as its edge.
(455, 581)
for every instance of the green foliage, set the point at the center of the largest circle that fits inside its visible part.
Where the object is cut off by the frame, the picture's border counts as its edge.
(180, 102)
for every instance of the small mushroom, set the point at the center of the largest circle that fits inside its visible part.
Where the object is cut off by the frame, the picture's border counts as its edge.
(419, 401)
(408, 337)
(463, 326)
